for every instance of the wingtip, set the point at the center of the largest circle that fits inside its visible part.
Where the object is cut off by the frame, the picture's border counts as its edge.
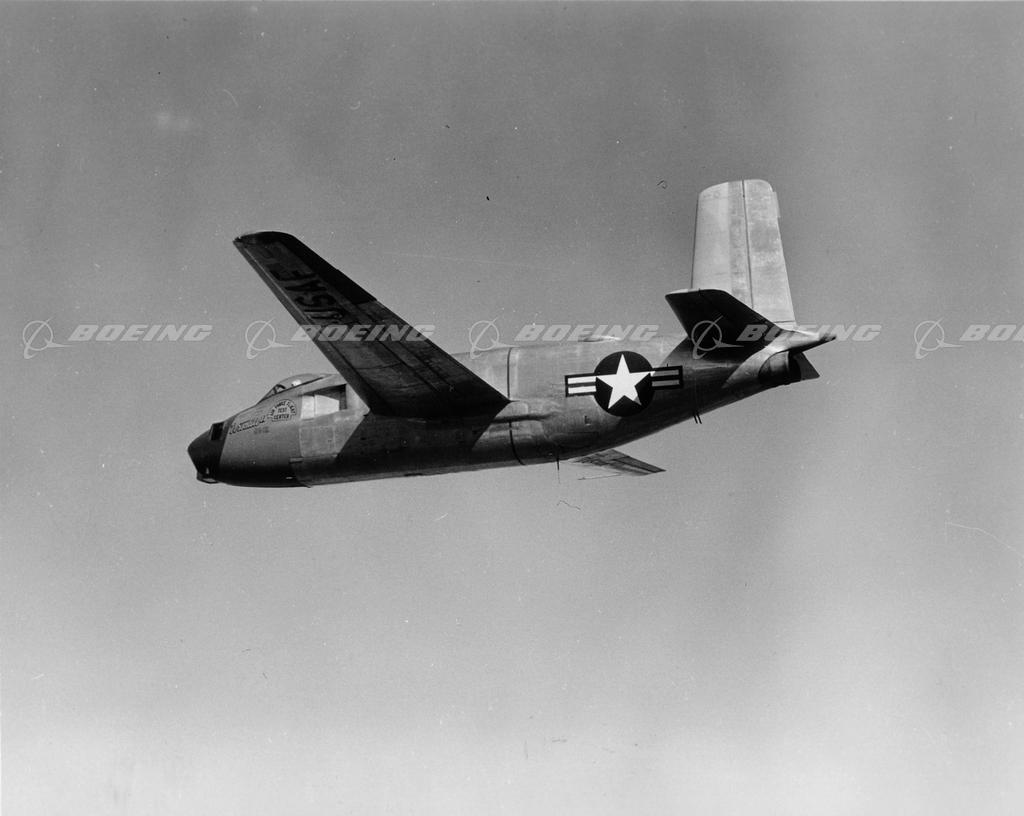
(262, 237)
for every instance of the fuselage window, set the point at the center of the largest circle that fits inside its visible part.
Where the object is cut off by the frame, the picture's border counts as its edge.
(329, 401)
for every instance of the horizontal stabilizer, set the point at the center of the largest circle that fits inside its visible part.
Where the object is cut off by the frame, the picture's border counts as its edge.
(618, 462)
(714, 319)
(738, 248)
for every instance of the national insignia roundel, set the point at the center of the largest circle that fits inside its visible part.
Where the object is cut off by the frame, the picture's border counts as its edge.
(623, 383)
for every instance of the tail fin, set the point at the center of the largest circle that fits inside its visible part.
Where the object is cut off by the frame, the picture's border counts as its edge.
(738, 248)
(740, 290)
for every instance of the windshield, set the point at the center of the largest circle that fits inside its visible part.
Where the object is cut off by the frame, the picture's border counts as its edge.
(291, 382)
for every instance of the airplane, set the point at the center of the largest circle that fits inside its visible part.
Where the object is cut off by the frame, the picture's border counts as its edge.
(398, 405)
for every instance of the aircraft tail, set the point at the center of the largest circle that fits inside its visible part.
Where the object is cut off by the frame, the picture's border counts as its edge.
(715, 320)
(738, 248)
(740, 289)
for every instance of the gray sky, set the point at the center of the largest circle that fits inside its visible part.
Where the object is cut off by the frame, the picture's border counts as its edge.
(818, 609)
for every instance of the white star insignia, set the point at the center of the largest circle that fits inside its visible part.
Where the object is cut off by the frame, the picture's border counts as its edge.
(623, 383)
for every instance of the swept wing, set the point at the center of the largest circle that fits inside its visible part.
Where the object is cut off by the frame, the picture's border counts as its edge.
(395, 369)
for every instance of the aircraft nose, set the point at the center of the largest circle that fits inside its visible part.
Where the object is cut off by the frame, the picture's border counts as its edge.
(204, 451)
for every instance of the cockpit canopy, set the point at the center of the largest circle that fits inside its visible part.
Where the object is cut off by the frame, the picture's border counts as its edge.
(291, 382)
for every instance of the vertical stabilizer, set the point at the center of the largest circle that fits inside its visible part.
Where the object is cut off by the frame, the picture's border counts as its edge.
(738, 248)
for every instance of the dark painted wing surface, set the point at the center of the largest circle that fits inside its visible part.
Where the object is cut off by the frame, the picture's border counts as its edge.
(395, 369)
(619, 462)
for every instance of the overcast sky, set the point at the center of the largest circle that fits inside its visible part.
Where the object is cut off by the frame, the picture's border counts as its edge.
(817, 609)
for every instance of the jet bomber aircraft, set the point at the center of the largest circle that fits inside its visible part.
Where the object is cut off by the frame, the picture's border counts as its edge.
(398, 405)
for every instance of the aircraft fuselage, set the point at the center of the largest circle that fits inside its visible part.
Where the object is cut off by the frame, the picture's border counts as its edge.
(399, 405)
(565, 400)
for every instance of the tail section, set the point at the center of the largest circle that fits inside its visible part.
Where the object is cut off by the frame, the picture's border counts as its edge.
(715, 319)
(740, 294)
(738, 248)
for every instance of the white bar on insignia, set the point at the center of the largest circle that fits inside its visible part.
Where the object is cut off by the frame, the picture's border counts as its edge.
(580, 379)
(574, 390)
(665, 384)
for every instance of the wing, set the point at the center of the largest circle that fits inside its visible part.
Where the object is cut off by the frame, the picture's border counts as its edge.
(738, 248)
(619, 462)
(395, 369)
